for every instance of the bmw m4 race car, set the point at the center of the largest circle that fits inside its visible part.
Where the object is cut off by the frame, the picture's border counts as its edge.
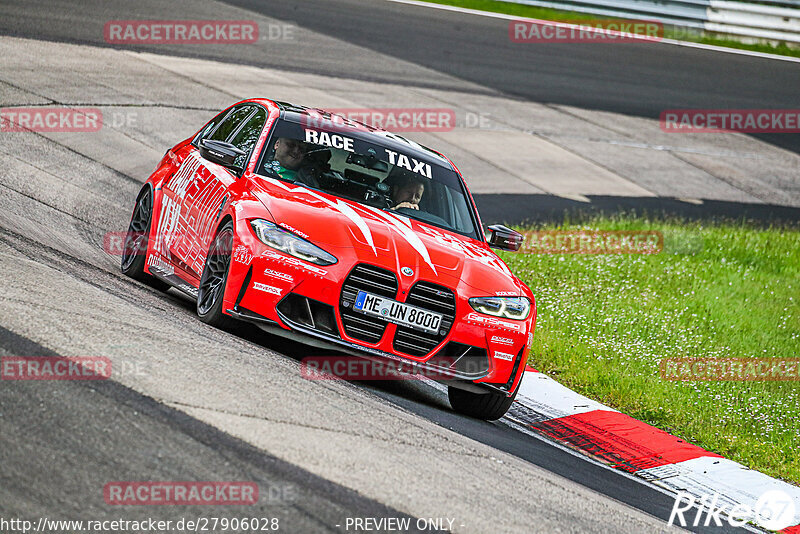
(342, 236)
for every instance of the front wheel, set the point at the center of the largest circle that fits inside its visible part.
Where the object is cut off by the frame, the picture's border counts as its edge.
(489, 406)
(135, 247)
(214, 279)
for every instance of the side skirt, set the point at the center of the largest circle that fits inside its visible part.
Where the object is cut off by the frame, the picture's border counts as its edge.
(174, 280)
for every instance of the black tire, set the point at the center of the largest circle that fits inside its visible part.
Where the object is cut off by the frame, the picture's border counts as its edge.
(489, 406)
(211, 290)
(135, 248)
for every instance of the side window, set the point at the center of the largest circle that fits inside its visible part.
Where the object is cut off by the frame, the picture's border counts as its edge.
(245, 139)
(230, 123)
(210, 127)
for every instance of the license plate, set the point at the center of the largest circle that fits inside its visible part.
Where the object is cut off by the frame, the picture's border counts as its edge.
(398, 312)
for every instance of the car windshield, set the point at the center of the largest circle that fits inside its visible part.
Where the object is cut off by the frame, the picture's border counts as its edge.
(341, 163)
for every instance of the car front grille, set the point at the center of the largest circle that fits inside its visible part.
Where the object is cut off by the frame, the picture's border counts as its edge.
(431, 297)
(374, 280)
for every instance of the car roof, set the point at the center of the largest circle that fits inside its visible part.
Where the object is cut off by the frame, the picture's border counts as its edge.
(300, 114)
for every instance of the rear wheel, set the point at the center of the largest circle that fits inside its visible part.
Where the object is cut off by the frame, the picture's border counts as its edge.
(489, 406)
(214, 279)
(135, 248)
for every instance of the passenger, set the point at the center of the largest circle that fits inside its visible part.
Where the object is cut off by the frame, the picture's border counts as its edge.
(289, 156)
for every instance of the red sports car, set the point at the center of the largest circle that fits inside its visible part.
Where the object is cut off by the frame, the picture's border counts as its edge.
(341, 235)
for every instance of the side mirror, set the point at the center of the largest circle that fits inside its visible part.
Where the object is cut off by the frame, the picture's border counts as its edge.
(504, 238)
(220, 152)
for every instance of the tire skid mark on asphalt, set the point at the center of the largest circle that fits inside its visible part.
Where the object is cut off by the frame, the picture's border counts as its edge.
(54, 208)
(113, 200)
(109, 280)
(387, 439)
(87, 157)
(100, 278)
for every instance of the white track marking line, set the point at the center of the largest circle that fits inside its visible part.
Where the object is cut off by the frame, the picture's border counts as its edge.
(541, 393)
(644, 38)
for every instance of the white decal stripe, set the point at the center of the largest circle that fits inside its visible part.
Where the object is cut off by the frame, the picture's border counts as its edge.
(468, 249)
(359, 221)
(404, 228)
(339, 206)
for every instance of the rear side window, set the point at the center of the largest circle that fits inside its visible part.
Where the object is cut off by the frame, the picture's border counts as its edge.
(245, 139)
(231, 122)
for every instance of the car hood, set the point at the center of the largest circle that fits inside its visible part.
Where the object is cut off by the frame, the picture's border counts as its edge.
(385, 238)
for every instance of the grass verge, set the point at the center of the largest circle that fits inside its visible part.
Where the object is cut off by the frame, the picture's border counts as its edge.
(681, 34)
(722, 290)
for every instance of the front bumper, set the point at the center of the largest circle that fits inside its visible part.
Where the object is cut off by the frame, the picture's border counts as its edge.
(310, 336)
(263, 288)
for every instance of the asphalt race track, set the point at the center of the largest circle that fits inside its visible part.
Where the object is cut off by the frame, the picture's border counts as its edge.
(196, 403)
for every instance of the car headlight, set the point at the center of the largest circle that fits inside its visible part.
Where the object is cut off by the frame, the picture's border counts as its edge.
(508, 307)
(276, 237)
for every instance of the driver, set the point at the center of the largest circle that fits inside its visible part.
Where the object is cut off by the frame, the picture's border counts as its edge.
(289, 156)
(408, 192)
